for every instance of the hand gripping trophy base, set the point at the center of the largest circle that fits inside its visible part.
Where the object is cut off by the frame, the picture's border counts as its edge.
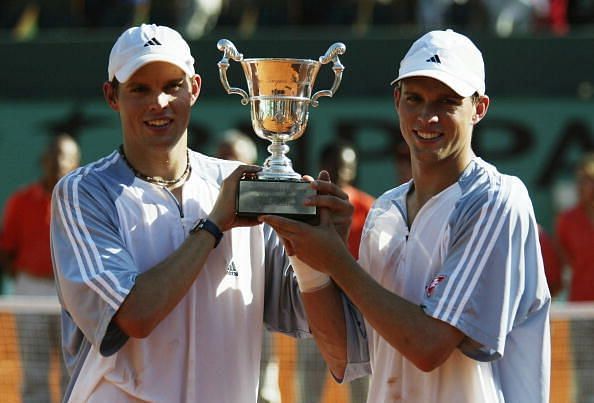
(279, 97)
(277, 190)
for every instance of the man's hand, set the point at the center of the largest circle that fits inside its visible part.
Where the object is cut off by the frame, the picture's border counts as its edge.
(223, 212)
(323, 246)
(332, 197)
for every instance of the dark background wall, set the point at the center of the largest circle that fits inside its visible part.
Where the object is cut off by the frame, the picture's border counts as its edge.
(74, 64)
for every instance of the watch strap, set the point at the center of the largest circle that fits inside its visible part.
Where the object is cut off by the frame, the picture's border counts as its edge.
(208, 226)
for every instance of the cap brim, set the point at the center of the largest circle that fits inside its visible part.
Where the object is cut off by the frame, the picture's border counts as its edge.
(458, 86)
(127, 70)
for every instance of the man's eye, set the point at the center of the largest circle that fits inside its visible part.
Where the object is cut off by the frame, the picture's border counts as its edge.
(451, 101)
(174, 86)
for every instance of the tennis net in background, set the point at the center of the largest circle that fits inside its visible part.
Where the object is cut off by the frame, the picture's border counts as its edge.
(11, 364)
(572, 329)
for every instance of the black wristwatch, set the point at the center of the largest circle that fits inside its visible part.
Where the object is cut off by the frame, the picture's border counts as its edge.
(208, 226)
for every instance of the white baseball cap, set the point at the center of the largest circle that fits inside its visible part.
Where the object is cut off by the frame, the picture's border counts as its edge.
(138, 46)
(449, 57)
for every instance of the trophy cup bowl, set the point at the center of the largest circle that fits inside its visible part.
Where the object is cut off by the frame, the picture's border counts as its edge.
(280, 92)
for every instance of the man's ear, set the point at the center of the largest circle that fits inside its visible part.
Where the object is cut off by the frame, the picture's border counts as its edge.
(195, 86)
(110, 95)
(397, 95)
(480, 109)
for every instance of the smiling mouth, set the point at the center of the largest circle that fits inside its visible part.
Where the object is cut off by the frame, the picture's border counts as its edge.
(157, 123)
(428, 135)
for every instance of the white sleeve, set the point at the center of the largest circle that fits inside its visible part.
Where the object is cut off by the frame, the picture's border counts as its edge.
(94, 272)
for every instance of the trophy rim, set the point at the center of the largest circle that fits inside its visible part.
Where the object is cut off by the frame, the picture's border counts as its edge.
(279, 98)
(278, 59)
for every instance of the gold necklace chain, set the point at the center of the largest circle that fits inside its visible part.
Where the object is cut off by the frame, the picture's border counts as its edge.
(158, 181)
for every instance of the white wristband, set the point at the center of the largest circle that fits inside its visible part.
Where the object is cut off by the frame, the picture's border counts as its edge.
(308, 279)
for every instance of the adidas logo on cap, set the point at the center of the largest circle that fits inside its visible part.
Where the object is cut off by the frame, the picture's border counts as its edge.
(432, 59)
(152, 41)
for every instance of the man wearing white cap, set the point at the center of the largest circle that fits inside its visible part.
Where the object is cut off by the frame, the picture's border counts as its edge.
(164, 290)
(450, 277)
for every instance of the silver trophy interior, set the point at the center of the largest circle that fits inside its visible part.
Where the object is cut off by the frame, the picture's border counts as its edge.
(279, 95)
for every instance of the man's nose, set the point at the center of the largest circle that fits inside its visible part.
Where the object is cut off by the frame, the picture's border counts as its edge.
(163, 99)
(429, 114)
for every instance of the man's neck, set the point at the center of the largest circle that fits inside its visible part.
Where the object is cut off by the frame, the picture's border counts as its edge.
(430, 179)
(162, 163)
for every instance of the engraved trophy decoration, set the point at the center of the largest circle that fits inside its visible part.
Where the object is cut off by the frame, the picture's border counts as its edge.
(279, 94)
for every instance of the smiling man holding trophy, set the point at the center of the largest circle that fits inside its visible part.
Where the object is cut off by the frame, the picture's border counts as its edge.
(280, 92)
(154, 266)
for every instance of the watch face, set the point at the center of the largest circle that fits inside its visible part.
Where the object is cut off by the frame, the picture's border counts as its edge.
(209, 227)
(198, 226)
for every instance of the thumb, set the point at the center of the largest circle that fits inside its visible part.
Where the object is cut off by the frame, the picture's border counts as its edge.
(324, 176)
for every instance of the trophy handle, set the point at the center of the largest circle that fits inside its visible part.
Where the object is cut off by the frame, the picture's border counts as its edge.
(331, 55)
(230, 51)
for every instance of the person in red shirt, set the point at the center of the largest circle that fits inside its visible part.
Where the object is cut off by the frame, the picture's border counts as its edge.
(551, 260)
(575, 234)
(25, 255)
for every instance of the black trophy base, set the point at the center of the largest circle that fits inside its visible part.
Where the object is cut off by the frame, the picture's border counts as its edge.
(278, 197)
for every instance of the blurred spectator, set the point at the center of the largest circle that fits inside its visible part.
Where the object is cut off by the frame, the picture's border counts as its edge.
(552, 262)
(25, 19)
(515, 16)
(557, 18)
(197, 17)
(370, 13)
(114, 13)
(575, 234)
(25, 251)
(340, 160)
(504, 17)
(438, 14)
(237, 146)
(193, 18)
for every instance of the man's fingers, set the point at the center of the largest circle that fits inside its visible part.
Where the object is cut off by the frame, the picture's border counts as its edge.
(330, 202)
(246, 170)
(242, 171)
(283, 226)
(329, 188)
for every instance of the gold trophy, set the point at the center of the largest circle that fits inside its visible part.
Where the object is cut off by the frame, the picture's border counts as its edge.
(279, 94)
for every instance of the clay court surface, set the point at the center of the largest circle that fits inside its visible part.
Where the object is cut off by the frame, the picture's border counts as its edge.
(285, 348)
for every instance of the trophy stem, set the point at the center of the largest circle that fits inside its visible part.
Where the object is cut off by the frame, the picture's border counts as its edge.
(278, 165)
